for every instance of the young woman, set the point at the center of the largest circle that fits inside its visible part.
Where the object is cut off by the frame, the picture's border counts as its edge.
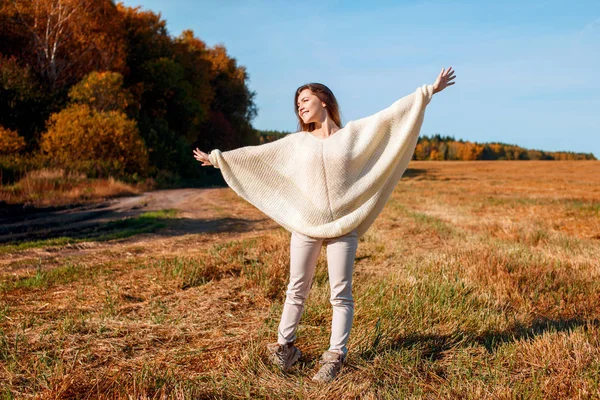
(326, 185)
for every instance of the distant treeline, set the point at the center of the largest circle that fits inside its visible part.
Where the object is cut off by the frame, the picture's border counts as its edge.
(442, 148)
(270, 136)
(103, 88)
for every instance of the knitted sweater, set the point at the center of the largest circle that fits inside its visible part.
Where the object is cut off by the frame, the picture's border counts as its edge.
(325, 188)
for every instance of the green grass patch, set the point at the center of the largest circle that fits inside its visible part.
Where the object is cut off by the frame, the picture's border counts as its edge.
(46, 277)
(191, 272)
(258, 262)
(59, 241)
(427, 222)
(586, 208)
(144, 223)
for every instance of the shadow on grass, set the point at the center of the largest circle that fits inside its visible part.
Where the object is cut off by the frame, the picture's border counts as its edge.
(121, 225)
(432, 174)
(434, 347)
(414, 172)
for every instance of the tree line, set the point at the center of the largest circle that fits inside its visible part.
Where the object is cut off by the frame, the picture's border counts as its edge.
(440, 148)
(103, 88)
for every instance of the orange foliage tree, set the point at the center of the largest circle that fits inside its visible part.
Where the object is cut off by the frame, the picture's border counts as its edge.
(102, 91)
(470, 151)
(102, 142)
(66, 39)
(10, 141)
(94, 130)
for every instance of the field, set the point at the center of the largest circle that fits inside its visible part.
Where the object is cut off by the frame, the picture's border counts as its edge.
(478, 280)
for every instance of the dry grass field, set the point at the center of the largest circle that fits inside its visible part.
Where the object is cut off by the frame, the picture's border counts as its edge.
(478, 280)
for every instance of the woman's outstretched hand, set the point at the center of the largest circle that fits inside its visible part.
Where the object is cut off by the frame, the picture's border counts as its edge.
(202, 157)
(443, 80)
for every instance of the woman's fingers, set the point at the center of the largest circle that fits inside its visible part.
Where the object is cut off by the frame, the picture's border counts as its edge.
(449, 75)
(444, 79)
(202, 157)
(201, 154)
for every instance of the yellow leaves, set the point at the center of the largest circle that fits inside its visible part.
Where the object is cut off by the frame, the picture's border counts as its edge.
(428, 149)
(101, 90)
(470, 151)
(69, 38)
(10, 141)
(81, 134)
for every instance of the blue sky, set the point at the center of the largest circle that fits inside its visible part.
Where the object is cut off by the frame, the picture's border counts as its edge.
(528, 72)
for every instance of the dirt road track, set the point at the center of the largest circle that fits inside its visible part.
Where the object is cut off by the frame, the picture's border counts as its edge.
(199, 210)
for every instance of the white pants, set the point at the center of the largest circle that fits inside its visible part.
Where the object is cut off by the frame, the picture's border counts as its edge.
(304, 252)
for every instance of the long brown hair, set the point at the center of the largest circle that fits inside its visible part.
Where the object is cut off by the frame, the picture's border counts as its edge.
(326, 96)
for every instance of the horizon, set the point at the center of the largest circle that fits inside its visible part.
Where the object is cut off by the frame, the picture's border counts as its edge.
(525, 72)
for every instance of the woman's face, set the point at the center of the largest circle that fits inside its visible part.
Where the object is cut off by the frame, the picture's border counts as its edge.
(310, 107)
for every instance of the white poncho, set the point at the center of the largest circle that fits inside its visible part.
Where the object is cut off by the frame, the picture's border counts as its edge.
(325, 188)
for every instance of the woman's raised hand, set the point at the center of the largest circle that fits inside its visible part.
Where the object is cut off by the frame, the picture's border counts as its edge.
(443, 80)
(202, 157)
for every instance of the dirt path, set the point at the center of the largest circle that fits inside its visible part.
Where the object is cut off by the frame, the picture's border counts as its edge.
(218, 212)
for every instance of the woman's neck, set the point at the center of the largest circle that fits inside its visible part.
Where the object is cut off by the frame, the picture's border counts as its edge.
(325, 129)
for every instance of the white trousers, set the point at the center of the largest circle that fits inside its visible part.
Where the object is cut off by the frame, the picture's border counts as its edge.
(304, 252)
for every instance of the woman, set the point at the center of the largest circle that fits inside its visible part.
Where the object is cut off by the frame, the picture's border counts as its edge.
(326, 185)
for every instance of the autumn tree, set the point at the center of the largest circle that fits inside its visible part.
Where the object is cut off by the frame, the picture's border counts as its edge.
(52, 44)
(102, 91)
(94, 130)
(66, 39)
(10, 141)
(168, 113)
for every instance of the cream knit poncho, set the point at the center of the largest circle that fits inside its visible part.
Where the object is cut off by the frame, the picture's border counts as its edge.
(325, 188)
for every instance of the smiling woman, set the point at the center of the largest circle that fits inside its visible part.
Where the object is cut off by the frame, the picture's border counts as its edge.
(326, 192)
(314, 102)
